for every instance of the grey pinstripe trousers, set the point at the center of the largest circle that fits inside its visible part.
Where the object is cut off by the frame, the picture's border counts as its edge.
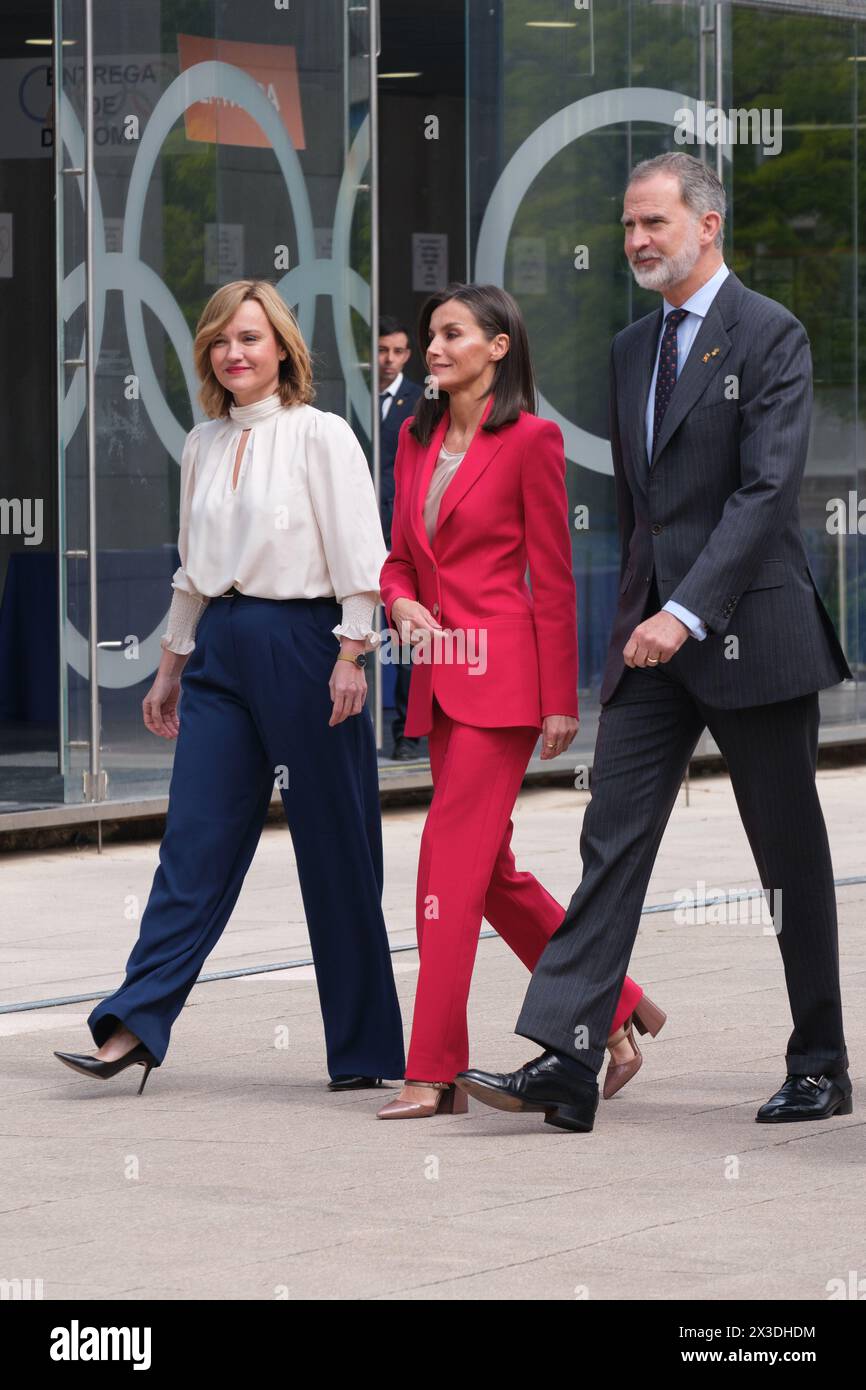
(647, 733)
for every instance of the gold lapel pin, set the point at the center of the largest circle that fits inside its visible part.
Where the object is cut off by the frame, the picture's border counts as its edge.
(707, 355)
(400, 402)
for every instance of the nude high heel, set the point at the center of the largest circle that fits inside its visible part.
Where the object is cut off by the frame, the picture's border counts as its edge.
(647, 1017)
(448, 1101)
(618, 1073)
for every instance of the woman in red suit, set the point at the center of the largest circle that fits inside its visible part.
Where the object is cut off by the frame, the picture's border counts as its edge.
(479, 495)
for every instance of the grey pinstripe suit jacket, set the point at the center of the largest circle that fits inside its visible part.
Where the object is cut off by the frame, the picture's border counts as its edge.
(716, 517)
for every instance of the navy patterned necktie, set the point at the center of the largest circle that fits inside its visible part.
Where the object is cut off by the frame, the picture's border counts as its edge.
(666, 378)
(383, 397)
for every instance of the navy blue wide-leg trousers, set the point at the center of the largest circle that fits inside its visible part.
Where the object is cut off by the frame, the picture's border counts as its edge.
(254, 707)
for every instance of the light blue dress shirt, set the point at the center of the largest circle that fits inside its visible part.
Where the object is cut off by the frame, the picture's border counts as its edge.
(687, 330)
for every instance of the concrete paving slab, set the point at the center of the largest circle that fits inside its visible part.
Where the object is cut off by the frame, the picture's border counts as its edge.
(237, 1175)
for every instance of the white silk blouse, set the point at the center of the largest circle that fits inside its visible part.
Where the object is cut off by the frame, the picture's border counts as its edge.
(302, 522)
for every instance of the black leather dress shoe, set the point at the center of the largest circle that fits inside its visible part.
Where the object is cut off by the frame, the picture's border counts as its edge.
(406, 750)
(543, 1085)
(354, 1083)
(808, 1098)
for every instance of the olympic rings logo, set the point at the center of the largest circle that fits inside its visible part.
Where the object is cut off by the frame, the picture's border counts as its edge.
(125, 272)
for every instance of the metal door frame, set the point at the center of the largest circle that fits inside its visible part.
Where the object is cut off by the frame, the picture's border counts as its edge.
(95, 779)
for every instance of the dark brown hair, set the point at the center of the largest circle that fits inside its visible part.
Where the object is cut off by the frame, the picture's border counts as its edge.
(513, 384)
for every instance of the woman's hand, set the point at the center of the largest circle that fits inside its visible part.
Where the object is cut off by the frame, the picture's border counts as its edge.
(557, 732)
(412, 619)
(159, 706)
(348, 687)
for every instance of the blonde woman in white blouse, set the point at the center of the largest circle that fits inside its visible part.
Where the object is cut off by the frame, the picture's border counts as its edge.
(280, 546)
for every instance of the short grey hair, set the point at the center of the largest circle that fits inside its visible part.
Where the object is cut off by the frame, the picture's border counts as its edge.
(700, 188)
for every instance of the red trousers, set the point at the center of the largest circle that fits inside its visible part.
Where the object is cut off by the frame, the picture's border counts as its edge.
(466, 871)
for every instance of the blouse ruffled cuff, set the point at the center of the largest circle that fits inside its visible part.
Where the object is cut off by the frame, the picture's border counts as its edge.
(183, 615)
(182, 646)
(357, 619)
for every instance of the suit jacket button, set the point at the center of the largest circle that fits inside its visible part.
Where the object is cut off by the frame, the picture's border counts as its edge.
(656, 528)
(435, 610)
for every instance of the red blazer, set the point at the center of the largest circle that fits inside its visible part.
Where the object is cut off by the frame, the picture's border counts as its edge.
(505, 507)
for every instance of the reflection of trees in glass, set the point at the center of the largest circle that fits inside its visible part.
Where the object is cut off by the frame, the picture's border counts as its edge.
(189, 189)
(189, 176)
(364, 336)
(577, 199)
(795, 219)
(795, 213)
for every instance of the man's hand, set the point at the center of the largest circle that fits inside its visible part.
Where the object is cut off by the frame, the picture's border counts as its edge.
(655, 640)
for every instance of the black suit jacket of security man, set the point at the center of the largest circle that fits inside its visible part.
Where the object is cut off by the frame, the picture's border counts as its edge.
(716, 520)
(402, 406)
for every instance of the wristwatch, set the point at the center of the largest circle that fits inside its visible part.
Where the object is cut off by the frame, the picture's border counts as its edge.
(360, 659)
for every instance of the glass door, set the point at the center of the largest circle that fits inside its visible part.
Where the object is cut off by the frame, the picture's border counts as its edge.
(29, 697)
(800, 238)
(563, 100)
(218, 142)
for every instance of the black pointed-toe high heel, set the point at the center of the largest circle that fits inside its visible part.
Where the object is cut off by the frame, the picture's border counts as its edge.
(93, 1066)
(354, 1083)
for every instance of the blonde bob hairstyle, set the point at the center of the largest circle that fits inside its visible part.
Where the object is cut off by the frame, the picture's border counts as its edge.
(296, 369)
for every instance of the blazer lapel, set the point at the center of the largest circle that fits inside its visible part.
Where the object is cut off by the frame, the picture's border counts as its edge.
(422, 482)
(480, 453)
(638, 390)
(697, 374)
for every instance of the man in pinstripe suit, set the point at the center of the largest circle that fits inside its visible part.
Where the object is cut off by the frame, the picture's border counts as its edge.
(719, 625)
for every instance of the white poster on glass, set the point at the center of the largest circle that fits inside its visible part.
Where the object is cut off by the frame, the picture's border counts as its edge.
(429, 261)
(223, 252)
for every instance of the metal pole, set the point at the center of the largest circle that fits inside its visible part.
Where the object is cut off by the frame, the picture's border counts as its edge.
(60, 384)
(375, 418)
(720, 102)
(842, 540)
(94, 789)
(703, 27)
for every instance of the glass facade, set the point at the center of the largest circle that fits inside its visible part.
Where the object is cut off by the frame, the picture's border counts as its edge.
(227, 143)
(564, 99)
(231, 141)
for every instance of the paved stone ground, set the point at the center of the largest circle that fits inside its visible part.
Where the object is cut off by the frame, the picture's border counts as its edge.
(239, 1176)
